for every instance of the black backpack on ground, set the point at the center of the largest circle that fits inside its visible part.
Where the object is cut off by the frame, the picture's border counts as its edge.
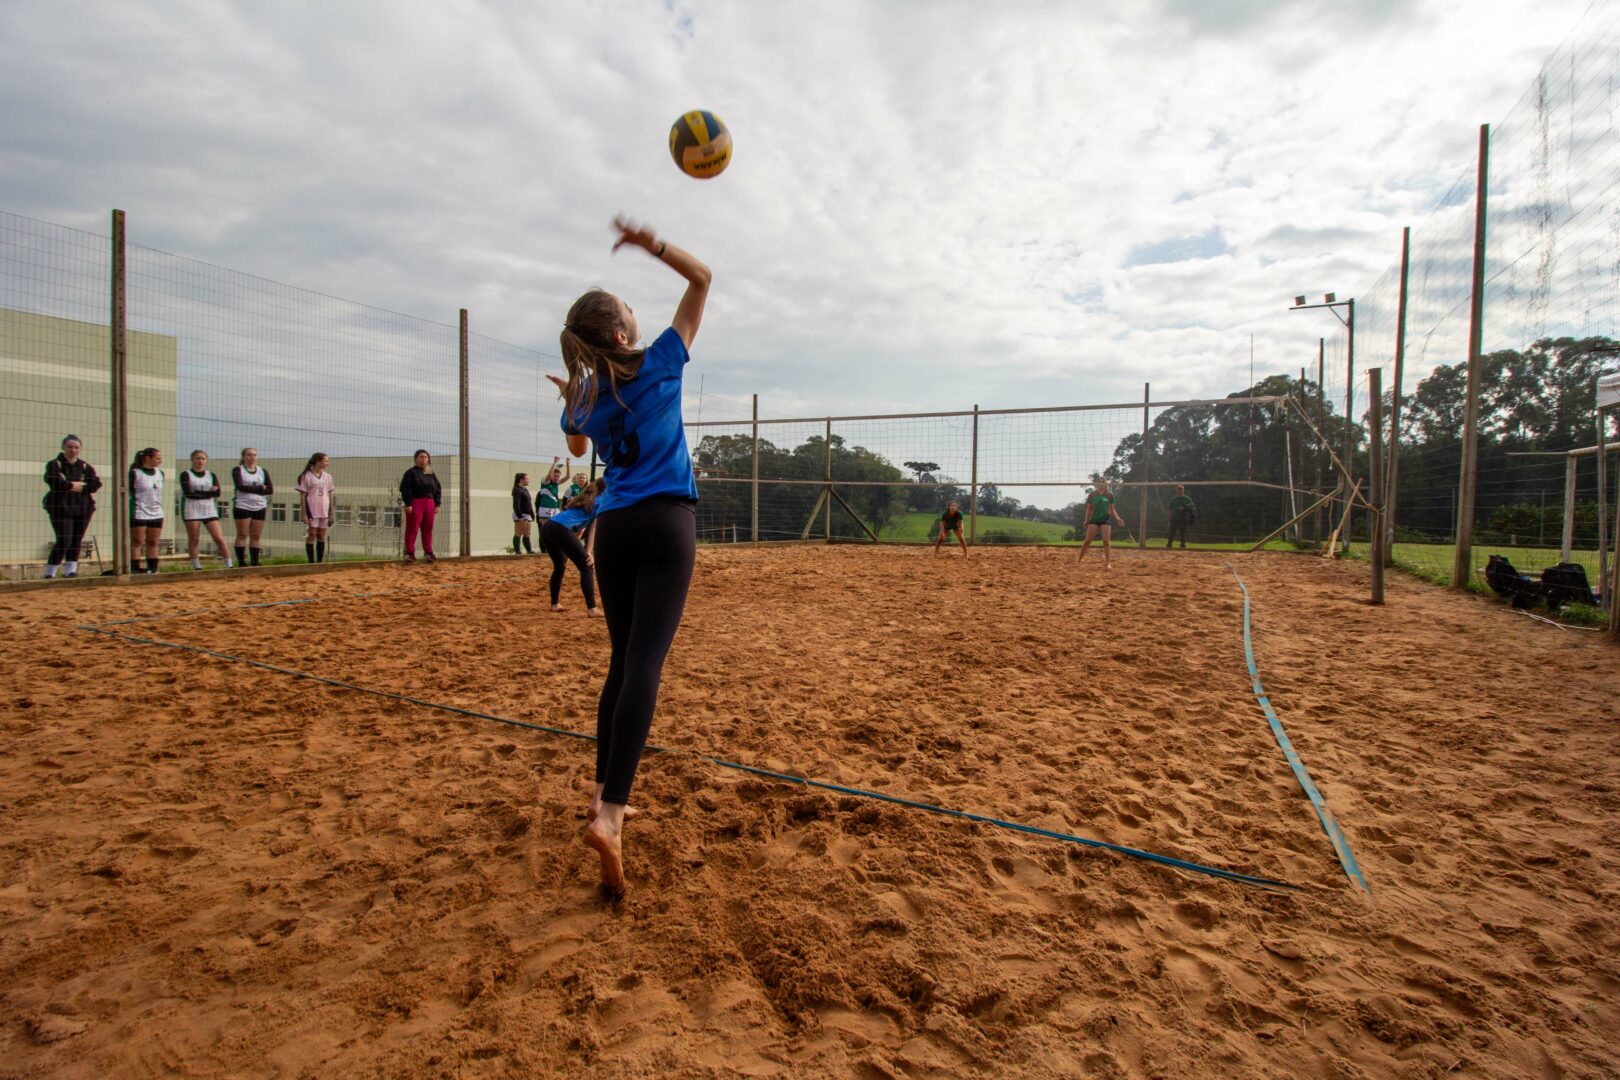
(1566, 584)
(1505, 580)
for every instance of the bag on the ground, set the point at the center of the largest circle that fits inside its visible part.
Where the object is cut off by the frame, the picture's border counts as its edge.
(1505, 580)
(1566, 583)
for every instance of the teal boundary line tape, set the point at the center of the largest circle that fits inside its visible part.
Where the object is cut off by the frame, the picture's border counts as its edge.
(1033, 830)
(1341, 846)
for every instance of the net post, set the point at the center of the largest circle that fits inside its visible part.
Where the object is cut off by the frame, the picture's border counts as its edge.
(1321, 427)
(973, 484)
(1392, 463)
(1350, 415)
(826, 526)
(464, 473)
(1375, 470)
(753, 488)
(1462, 563)
(1293, 506)
(119, 357)
(1603, 506)
(1611, 583)
(1567, 541)
(1142, 512)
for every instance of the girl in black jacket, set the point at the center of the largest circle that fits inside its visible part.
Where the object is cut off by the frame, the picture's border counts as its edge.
(420, 490)
(69, 504)
(522, 515)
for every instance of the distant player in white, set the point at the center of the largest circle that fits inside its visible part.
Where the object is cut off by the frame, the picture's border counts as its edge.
(145, 509)
(248, 503)
(199, 508)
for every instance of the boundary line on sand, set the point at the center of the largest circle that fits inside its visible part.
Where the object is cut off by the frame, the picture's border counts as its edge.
(1330, 825)
(1134, 853)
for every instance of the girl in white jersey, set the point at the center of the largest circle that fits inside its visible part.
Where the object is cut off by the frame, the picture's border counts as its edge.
(145, 509)
(199, 508)
(252, 497)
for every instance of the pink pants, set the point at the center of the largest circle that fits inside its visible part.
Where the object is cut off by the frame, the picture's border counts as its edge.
(419, 515)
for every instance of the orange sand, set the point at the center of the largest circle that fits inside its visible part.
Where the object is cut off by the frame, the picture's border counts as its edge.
(210, 869)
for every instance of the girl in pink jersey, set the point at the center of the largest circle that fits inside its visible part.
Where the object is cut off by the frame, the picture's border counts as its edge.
(316, 489)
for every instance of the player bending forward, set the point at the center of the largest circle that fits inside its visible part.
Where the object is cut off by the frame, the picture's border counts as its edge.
(1100, 516)
(950, 521)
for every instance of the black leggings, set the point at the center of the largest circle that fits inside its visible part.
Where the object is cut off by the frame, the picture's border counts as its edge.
(644, 554)
(564, 547)
(69, 535)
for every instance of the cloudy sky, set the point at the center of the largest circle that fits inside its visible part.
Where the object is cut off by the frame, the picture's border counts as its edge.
(931, 205)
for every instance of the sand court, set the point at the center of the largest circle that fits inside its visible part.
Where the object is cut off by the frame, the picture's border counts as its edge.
(214, 868)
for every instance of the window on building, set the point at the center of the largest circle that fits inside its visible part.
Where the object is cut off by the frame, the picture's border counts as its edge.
(366, 516)
(278, 511)
(391, 517)
(343, 515)
(298, 513)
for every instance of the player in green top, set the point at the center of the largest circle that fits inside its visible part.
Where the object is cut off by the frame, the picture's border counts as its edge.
(1182, 514)
(547, 501)
(950, 521)
(1100, 514)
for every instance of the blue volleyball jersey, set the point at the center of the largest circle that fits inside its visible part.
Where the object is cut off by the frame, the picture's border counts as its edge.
(575, 519)
(642, 441)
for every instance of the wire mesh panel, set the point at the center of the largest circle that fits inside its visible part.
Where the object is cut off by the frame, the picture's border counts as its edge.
(1551, 304)
(243, 363)
(55, 380)
(513, 430)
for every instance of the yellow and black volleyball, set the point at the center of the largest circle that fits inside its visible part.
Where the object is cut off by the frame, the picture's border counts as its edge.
(700, 144)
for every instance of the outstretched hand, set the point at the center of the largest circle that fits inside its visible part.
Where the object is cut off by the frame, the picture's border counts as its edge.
(641, 236)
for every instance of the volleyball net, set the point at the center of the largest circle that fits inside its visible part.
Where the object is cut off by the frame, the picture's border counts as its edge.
(1017, 475)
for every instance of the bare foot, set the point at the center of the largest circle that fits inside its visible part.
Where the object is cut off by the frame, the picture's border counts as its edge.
(556, 607)
(601, 838)
(593, 612)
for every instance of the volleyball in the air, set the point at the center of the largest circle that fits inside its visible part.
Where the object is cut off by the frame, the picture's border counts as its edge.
(700, 144)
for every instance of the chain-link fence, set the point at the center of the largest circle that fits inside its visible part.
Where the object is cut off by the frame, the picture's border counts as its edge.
(1546, 227)
(253, 388)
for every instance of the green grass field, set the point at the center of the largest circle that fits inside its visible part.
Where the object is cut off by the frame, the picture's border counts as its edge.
(1433, 561)
(919, 527)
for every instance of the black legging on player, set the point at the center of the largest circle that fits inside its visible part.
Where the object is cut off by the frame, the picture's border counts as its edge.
(644, 556)
(564, 547)
(69, 535)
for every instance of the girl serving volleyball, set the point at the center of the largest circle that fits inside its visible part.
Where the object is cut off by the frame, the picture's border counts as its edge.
(626, 400)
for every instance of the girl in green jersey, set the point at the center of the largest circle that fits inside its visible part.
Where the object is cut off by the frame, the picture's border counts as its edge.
(1100, 518)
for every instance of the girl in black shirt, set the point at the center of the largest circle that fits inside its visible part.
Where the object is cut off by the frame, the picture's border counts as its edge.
(522, 515)
(69, 504)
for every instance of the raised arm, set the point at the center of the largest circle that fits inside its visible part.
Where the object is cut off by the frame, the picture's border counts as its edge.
(689, 312)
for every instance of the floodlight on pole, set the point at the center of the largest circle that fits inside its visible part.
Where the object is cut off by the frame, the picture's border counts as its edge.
(1332, 302)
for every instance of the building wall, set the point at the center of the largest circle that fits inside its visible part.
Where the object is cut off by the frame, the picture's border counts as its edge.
(55, 380)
